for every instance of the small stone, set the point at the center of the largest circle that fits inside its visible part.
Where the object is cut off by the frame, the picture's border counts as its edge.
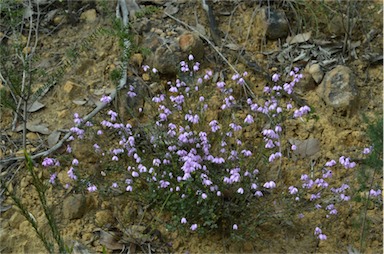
(103, 218)
(146, 77)
(338, 88)
(74, 207)
(316, 72)
(32, 136)
(89, 16)
(137, 59)
(58, 19)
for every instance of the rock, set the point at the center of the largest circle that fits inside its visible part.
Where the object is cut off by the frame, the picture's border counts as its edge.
(316, 72)
(277, 24)
(89, 16)
(338, 89)
(167, 53)
(74, 207)
(190, 43)
(103, 218)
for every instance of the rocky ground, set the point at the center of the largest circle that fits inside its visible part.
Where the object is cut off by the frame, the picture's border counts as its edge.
(341, 81)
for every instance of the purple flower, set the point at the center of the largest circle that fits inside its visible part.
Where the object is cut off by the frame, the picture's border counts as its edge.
(275, 77)
(145, 67)
(156, 162)
(258, 194)
(204, 196)
(52, 178)
(240, 191)
(183, 220)
(114, 185)
(314, 196)
(301, 111)
(131, 94)
(367, 150)
(274, 156)
(346, 162)
(269, 185)
(129, 188)
(317, 231)
(374, 193)
(234, 227)
(293, 147)
(330, 163)
(246, 153)
(154, 70)
(75, 162)
(293, 190)
(48, 162)
(190, 57)
(248, 119)
(208, 74)
(214, 125)
(327, 174)
(344, 197)
(71, 174)
(322, 237)
(220, 84)
(135, 174)
(194, 227)
(92, 188)
(106, 99)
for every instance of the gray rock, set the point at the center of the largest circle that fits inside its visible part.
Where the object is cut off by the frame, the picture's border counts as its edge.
(74, 207)
(278, 26)
(338, 88)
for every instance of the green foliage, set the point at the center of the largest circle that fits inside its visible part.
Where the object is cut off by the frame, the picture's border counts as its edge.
(375, 134)
(41, 189)
(147, 11)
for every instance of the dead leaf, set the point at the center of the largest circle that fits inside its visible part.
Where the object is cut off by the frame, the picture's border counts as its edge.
(233, 46)
(108, 239)
(35, 106)
(171, 9)
(53, 138)
(80, 102)
(40, 128)
(103, 91)
(299, 38)
(305, 148)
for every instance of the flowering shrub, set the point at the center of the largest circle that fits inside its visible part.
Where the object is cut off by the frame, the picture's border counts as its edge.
(198, 156)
